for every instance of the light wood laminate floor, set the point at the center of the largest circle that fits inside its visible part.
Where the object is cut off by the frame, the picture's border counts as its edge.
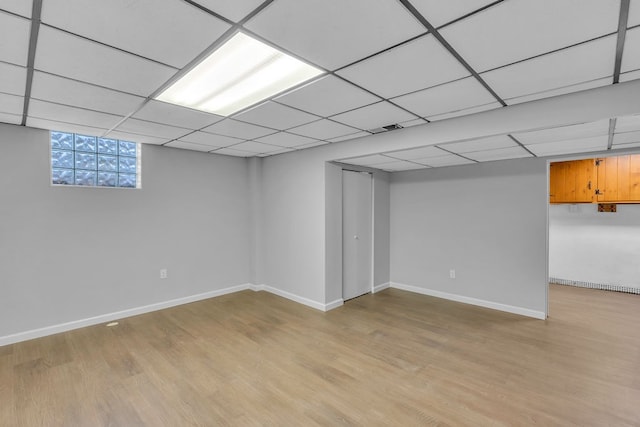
(393, 358)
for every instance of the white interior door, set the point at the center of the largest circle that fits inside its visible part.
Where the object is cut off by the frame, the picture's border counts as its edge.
(357, 234)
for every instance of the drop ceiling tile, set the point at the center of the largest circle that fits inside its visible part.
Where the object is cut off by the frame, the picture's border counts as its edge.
(323, 129)
(255, 147)
(414, 122)
(448, 160)
(626, 138)
(466, 111)
(491, 143)
(134, 137)
(416, 65)
(446, 98)
(158, 130)
(630, 75)
(76, 58)
(439, 13)
(589, 61)
(204, 138)
(274, 115)
(275, 153)
(625, 146)
(315, 30)
(328, 96)
(242, 130)
(630, 56)
(560, 91)
(47, 87)
(234, 153)
(35, 122)
(418, 153)
(174, 115)
(518, 29)
(571, 146)
(499, 154)
(634, 13)
(73, 115)
(13, 79)
(13, 119)
(189, 146)
(399, 166)
(171, 32)
(235, 10)
(21, 7)
(375, 159)
(572, 132)
(284, 139)
(14, 38)
(628, 124)
(374, 116)
(311, 145)
(350, 136)
(11, 104)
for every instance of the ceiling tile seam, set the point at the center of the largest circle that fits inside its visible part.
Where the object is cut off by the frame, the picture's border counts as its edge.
(427, 88)
(68, 123)
(36, 11)
(17, 15)
(13, 64)
(451, 50)
(77, 108)
(556, 88)
(458, 154)
(612, 131)
(514, 139)
(463, 17)
(622, 33)
(209, 11)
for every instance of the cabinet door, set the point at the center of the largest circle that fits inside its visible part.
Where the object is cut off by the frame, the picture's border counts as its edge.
(572, 181)
(619, 179)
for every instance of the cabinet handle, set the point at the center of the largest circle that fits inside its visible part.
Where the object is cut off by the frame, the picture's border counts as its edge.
(589, 185)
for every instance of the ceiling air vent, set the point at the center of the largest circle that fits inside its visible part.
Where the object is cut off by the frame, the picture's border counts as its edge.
(386, 128)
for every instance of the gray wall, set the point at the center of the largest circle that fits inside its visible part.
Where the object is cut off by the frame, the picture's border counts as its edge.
(68, 254)
(487, 221)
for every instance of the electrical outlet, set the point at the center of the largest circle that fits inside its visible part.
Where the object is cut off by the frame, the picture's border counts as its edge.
(163, 273)
(452, 274)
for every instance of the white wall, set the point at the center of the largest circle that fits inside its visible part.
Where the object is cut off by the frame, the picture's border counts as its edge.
(588, 246)
(72, 253)
(487, 221)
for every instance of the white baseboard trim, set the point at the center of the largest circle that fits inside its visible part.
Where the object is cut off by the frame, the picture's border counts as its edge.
(473, 301)
(297, 298)
(76, 324)
(381, 287)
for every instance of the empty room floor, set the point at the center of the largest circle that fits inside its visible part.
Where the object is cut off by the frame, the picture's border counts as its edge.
(393, 358)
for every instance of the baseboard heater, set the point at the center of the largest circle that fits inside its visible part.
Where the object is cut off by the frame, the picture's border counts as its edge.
(592, 285)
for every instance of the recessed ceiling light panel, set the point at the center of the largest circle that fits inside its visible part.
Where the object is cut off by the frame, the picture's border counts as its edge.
(241, 73)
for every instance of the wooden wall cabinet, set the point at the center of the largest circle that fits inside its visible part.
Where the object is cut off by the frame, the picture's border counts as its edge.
(619, 179)
(573, 181)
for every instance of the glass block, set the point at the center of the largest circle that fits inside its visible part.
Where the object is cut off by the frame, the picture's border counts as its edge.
(126, 180)
(62, 140)
(86, 143)
(127, 164)
(127, 148)
(85, 161)
(62, 159)
(107, 179)
(85, 177)
(107, 163)
(62, 176)
(107, 146)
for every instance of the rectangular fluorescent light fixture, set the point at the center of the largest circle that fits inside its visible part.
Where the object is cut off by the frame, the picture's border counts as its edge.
(240, 73)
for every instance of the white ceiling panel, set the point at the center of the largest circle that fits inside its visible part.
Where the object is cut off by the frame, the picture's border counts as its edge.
(631, 55)
(159, 130)
(520, 29)
(399, 166)
(323, 129)
(583, 130)
(21, 7)
(35, 122)
(491, 143)
(65, 113)
(311, 145)
(466, 111)
(499, 154)
(234, 10)
(13, 119)
(256, 147)
(560, 91)
(350, 136)
(328, 96)
(168, 31)
(52, 88)
(439, 12)
(14, 38)
(418, 153)
(275, 153)
(13, 79)
(74, 57)
(416, 65)
(11, 104)
(634, 13)
(630, 75)
(374, 116)
(315, 30)
(625, 146)
(571, 146)
(189, 146)
(626, 137)
(230, 127)
(276, 116)
(204, 138)
(234, 153)
(284, 139)
(174, 115)
(446, 98)
(448, 160)
(628, 124)
(375, 159)
(583, 63)
(414, 122)
(143, 139)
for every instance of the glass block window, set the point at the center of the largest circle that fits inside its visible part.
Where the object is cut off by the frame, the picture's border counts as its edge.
(92, 161)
